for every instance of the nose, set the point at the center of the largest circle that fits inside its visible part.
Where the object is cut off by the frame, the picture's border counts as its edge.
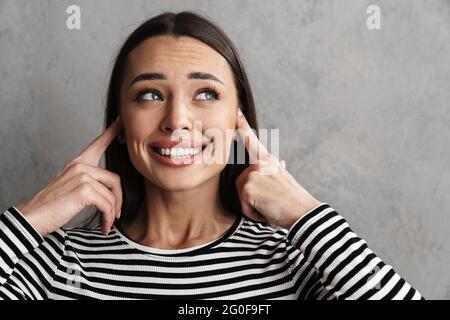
(176, 117)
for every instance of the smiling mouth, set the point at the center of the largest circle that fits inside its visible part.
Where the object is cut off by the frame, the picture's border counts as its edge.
(178, 153)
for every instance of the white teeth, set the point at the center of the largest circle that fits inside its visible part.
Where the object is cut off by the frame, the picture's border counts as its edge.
(178, 152)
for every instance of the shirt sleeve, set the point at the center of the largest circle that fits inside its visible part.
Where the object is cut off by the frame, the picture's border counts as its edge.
(344, 266)
(17, 239)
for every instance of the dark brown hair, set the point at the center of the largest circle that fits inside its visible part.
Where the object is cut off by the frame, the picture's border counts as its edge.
(190, 24)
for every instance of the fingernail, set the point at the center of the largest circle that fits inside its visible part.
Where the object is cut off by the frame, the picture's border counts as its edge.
(117, 119)
(240, 114)
(120, 213)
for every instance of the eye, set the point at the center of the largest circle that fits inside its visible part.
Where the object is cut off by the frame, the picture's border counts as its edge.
(148, 95)
(208, 94)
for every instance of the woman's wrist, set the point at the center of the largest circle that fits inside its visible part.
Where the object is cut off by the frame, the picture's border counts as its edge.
(298, 210)
(31, 218)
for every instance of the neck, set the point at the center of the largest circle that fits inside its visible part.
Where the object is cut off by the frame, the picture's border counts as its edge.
(180, 219)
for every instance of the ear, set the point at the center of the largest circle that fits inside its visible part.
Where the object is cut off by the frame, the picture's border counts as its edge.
(240, 107)
(235, 134)
(121, 137)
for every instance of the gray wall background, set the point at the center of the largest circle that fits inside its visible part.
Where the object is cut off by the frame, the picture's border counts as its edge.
(363, 115)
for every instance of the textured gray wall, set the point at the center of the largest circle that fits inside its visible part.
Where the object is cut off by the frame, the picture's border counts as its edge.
(363, 115)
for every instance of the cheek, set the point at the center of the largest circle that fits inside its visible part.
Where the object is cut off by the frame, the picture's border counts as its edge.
(220, 124)
(221, 130)
(223, 117)
(138, 126)
(136, 123)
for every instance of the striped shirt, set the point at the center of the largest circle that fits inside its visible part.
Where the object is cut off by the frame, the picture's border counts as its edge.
(319, 257)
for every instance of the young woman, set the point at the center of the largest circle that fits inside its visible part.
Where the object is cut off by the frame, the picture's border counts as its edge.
(173, 226)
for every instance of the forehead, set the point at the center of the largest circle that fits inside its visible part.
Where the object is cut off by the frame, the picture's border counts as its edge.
(176, 56)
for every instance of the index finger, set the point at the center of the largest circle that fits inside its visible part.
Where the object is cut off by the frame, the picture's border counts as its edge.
(255, 148)
(94, 151)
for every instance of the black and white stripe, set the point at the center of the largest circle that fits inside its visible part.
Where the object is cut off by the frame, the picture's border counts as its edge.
(320, 257)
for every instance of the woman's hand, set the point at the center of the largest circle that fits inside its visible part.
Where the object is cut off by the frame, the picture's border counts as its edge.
(81, 183)
(266, 189)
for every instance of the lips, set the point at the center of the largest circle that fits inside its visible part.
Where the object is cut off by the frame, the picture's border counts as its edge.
(178, 144)
(177, 152)
(175, 160)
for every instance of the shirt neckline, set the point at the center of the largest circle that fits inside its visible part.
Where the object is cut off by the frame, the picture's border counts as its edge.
(202, 248)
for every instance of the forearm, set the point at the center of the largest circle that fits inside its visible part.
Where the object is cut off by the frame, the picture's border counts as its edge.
(346, 267)
(17, 238)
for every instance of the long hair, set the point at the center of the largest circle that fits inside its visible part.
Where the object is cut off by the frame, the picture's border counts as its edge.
(117, 159)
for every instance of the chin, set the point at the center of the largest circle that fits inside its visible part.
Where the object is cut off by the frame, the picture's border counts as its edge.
(184, 178)
(181, 181)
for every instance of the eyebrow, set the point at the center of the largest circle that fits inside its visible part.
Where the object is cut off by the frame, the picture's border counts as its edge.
(160, 76)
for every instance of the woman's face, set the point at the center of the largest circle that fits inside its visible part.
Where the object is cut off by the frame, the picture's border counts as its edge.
(182, 88)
